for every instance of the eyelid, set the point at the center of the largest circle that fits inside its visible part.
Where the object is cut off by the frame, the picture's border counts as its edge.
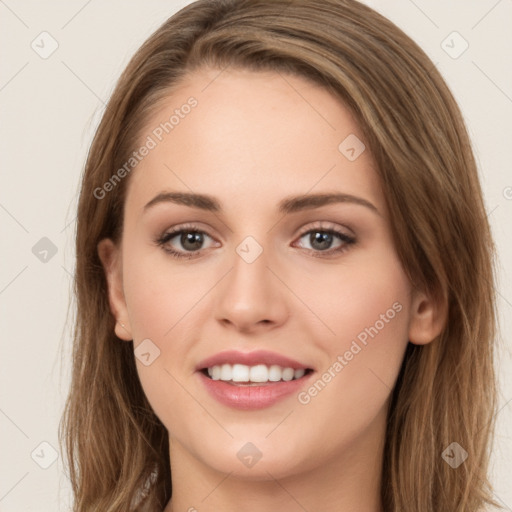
(187, 227)
(327, 225)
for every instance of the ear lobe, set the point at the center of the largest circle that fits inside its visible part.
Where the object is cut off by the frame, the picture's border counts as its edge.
(428, 318)
(110, 257)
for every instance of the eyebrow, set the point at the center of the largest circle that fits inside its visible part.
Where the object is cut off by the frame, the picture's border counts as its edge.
(287, 205)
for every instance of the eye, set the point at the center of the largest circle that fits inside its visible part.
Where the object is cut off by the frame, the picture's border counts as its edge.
(191, 240)
(189, 237)
(321, 240)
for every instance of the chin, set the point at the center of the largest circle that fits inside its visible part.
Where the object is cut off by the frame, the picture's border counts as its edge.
(248, 462)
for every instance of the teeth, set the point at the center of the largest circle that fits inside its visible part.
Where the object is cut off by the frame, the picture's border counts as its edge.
(299, 373)
(258, 373)
(225, 372)
(275, 373)
(239, 373)
(214, 372)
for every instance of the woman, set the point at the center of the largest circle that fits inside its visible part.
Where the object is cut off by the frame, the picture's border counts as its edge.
(284, 274)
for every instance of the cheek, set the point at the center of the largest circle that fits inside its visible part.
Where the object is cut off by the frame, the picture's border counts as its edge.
(372, 304)
(367, 307)
(158, 302)
(364, 308)
(366, 293)
(157, 298)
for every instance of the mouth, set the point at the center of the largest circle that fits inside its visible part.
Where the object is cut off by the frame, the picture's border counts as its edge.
(257, 375)
(252, 380)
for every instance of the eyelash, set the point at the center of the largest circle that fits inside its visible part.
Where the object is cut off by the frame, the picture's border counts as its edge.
(162, 240)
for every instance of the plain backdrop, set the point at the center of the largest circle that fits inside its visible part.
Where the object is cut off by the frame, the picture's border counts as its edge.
(50, 105)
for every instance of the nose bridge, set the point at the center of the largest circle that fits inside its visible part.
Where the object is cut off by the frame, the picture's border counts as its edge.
(251, 293)
(249, 279)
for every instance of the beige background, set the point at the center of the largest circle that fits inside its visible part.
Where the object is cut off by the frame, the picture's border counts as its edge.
(49, 109)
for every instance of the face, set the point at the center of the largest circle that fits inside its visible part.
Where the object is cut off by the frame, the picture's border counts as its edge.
(252, 269)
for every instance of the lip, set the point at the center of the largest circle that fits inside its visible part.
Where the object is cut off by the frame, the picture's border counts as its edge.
(253, 397)
(251, 359)
(249, 397)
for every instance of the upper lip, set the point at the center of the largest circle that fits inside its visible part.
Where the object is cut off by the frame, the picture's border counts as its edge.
(250, 359)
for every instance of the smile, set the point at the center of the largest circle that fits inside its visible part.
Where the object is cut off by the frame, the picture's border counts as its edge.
(241, 374)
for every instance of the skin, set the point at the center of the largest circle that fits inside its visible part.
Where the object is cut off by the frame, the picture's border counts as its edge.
(254, 139)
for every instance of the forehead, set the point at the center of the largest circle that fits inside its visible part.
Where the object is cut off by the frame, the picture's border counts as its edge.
(251, 138)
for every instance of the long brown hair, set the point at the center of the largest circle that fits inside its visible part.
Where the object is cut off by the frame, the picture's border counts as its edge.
(446, 391)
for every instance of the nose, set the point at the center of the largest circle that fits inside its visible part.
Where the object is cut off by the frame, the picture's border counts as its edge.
(252, 297)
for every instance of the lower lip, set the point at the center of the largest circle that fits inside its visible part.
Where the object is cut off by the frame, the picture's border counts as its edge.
(252, 397)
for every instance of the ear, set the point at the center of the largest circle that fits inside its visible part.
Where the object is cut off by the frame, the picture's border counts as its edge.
(110, 256)
(428, 317)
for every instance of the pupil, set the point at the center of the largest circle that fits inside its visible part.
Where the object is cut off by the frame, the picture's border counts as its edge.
(323, 239)
(193, 238)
